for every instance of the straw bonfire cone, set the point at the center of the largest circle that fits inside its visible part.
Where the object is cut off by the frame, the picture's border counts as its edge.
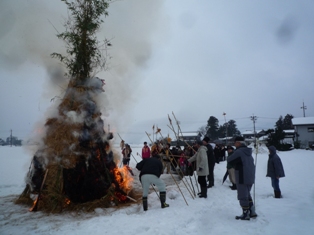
(74, 167)
(77, 153)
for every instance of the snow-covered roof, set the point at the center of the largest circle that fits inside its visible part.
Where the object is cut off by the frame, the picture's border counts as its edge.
(249, 132)
(189, 134)
(264, 137)
(303, 121)
(289, 131)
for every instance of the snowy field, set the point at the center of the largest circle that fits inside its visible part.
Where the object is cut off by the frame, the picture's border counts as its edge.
(293, 214)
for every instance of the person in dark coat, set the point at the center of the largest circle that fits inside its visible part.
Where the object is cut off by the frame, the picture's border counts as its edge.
(217, 153)
(151, 169)
(243, 163)
(275, 170)
(211, 162)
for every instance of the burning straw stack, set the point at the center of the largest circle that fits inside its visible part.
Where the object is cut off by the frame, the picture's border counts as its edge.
(82, 171)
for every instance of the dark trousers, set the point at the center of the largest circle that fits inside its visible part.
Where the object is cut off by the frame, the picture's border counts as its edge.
(244, 194)
(202, 181)
(275, 184)
(210, 177)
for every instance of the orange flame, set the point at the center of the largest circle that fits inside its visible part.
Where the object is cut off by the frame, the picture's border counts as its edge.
(123, 177)
(67, 201)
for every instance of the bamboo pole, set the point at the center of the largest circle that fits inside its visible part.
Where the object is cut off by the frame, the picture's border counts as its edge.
(35, 205)
(172, 128)
(179, 169)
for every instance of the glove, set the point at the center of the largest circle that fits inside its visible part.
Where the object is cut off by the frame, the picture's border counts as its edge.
(200, 169)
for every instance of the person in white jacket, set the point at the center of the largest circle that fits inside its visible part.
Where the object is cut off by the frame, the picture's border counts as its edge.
(201, 167)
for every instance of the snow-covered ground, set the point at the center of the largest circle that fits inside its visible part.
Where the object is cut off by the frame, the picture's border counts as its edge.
(292, 214)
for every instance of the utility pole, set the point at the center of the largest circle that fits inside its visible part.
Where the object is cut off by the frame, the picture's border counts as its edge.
(226, 127)
(11, 138)
(304, 108)
(254, 118)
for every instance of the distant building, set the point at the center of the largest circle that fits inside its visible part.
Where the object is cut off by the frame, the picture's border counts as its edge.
(304, 128)
(187, 137)
(289, 137)
(250, 134)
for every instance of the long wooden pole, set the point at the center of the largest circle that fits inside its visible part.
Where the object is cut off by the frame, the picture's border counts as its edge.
(177, 136)
(35, 205)
(179, 169)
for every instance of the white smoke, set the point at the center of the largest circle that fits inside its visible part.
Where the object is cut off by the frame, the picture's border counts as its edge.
(28, 33)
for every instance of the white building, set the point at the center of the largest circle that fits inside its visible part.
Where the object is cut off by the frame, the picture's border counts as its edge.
(304, 128)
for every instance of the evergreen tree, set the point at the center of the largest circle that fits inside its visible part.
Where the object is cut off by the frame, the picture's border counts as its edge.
(275, 137)
(222, 131)
(279, 123)
(212, 128)
(287, 122)
(232, 129)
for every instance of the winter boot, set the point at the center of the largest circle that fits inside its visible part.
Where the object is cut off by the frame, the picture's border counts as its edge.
(233, 187)
(252, 210)
(144, 203)
(245, 214)
(203, 192)
(163, 200)
(277, 194)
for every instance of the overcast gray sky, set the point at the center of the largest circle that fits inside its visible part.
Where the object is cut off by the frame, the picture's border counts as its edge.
(194, 58)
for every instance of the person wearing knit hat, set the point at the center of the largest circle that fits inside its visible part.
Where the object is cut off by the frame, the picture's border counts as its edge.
(211, 162)
(243, 163)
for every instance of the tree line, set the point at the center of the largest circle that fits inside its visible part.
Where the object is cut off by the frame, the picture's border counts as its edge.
(11, 140)
(214, 131)
(229, 129)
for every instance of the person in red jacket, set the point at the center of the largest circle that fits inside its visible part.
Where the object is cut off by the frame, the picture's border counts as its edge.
(145, 151)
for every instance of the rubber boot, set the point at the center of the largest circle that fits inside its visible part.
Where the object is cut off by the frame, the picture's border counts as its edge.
(245, 214)
(144, 203)
(210, 184)
(203, 192)
(277, 194)
(233, 187)
(252, 210)
(163, 200)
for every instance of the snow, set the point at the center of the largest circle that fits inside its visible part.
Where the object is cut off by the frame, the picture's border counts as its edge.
(292, 214)
(303, 121)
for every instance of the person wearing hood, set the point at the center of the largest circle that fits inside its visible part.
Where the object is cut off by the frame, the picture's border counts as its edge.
(243, 163)
(274, 170)
(201, 167)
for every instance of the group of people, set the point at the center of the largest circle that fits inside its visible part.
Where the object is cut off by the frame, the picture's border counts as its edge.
(240, 166)
(241, 170)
